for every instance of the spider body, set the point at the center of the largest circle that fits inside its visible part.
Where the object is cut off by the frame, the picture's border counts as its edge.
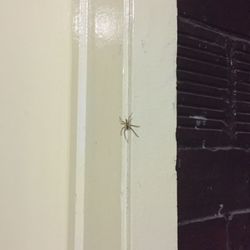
(126, 126)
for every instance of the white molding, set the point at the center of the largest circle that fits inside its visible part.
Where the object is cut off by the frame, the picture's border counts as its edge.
(126, 103)
(80, 36)
(152, 194)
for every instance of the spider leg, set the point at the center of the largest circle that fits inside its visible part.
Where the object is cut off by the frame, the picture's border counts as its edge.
(121, 121)
(124, 132)
(130, 117)
(136, 126)
(134, 132)
(121, 130)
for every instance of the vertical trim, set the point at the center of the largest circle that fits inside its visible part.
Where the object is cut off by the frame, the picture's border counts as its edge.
(81, 36)
(126, 110)
(153, 206)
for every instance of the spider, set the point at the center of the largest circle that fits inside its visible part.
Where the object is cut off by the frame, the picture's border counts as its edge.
(126, 125)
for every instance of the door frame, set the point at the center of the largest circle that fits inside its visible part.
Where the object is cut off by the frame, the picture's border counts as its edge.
(149, 29)
(80, 13)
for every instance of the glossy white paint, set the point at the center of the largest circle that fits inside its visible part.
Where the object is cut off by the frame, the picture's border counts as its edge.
(152, 183)
(102, 227)
(125, 165)
(130, 188)
(80, 48)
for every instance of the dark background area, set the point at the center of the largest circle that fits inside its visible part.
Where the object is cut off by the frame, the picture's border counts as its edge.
(230, 15)
(213, 127)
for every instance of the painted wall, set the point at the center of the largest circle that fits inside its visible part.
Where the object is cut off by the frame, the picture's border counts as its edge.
(35, 124)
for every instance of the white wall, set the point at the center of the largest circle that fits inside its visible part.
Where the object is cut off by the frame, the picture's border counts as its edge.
(35, 124)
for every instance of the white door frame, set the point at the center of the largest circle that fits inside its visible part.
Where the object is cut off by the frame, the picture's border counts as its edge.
(148, 177)
(152, 157)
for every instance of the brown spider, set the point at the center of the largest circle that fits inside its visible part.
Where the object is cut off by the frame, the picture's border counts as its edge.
(126, 126)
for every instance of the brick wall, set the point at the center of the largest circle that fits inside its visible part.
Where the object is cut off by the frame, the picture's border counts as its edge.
(213, 134)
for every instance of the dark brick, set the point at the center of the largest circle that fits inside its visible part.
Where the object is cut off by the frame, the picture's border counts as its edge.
(229, 15)
(239, 232)
(209, 235)
(190, 138)
(208, 179)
